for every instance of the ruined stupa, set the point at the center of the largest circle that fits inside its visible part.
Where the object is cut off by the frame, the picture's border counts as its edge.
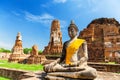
(34, 57)
(103, 38)
(17, 50)
(55, 44)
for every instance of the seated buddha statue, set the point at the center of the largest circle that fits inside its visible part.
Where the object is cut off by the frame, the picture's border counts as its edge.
(73, 60)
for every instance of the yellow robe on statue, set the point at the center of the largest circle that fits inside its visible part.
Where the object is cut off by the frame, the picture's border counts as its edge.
(72, 48)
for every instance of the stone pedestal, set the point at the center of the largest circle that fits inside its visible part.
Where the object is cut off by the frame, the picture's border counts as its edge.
(68, 76)
(39, 59)
(60, 78)
(101, 76)
(17, 58)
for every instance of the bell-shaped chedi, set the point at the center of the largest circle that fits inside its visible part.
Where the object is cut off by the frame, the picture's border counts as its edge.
(55, 43)
(103, 38)
(17, 50)
(34, 58)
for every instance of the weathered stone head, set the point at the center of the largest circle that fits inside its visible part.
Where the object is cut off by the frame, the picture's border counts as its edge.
(72, 30)
(72, 25)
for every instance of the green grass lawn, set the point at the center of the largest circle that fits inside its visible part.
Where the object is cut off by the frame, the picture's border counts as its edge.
(3, 78)
(111, 63)
(28, 67)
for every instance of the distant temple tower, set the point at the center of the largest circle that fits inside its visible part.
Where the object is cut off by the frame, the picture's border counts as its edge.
(55, 44)
(17, 50)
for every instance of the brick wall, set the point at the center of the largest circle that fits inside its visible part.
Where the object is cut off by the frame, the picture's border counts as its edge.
(11, 73)
(105, 67)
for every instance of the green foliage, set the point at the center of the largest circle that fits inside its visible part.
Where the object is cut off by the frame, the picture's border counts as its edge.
(28, 67)
(3, 78)
(5, 50)
(40, 52)
(111, 63)
(27, 50)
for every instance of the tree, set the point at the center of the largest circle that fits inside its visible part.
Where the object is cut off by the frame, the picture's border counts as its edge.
(40, 52)
(27, 50)
(5, 50)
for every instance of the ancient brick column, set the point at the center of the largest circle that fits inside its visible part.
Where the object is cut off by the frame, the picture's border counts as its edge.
(55, 43)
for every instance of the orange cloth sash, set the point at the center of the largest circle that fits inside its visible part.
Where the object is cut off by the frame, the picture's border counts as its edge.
(72, 48)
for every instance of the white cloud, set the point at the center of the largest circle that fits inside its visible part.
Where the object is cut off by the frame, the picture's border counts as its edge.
(51, 3)
(63, 23)
(44, 5)
(91, 2)
(44, 18)
(59, 1)
(105, 6)
(15, 13)
(98, 8)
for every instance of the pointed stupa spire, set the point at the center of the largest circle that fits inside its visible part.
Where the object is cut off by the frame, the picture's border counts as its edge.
(72, 22)
(19, 34)
(19, 37)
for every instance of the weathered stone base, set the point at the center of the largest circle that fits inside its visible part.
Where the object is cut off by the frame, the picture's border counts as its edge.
(40, 75)
(17, 57)
(108, 76)
(105, 67)
(13, 74)
(62, 78)
(101, 76)
(77, 75)
(36, 59)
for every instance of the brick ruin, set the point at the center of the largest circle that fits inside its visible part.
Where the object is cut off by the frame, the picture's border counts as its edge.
(19, 56)
(17, 50)
(55, 44)
(34, 58)
(103, 38)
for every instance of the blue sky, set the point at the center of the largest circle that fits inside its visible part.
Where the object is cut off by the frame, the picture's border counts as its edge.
(33, 18)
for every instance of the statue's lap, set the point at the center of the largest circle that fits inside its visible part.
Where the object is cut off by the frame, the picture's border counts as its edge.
(72, 72)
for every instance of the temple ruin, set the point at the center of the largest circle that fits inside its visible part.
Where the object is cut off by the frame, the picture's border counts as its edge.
(34, 57)
(17, 50)
(103, 38)
(55, 44)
